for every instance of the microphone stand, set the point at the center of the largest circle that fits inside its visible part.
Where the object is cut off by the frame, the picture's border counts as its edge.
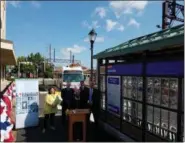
(77, 98)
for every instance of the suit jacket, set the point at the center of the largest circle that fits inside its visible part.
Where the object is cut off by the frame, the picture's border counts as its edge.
(95, 107)
(68, 98)
(84, 95)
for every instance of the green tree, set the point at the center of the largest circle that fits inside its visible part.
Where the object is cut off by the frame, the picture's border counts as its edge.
(48, 71)
(38, 63)
(36, 59)
(19, 59)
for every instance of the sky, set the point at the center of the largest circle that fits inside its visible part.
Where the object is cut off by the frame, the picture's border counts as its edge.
(34, 25)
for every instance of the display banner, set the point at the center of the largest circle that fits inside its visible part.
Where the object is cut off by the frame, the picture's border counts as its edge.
(125, 69)
(113, 94)
(27, 103)
(165, 68)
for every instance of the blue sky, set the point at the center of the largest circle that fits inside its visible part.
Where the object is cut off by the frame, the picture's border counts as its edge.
(33, 25)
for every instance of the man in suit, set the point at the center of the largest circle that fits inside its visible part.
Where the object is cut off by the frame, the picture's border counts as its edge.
(94, 101)
(68, 100)
(84, 94)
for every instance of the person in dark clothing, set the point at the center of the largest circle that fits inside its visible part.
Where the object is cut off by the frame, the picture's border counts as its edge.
(68, 100)
(94, 102)
(84, 94)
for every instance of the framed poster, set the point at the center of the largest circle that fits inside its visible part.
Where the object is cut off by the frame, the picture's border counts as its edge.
(27, 103)
(113, 94)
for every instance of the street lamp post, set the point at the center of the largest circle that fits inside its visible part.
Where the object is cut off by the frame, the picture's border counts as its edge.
(92, 37)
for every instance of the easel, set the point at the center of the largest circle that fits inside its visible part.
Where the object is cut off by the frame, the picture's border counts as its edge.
(77, 115)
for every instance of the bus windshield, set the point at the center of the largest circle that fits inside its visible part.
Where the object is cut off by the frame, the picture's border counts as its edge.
(73, 76)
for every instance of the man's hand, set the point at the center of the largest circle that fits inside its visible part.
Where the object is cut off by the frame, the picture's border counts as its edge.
(89, 102)
(67, 111)
(53, 105)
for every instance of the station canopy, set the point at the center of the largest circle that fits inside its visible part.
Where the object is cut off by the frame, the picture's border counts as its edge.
(162, 39)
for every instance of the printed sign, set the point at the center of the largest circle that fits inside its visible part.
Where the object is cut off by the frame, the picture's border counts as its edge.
(27, 102)
(124, 69)
(113, 94)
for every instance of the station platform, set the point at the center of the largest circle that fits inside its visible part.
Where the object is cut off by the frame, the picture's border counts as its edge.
(35, 134)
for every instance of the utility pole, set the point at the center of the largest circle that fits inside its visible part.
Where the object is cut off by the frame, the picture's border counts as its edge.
(171, 11)
(54, 54)
(73, 59)
(70, 57)
(50, 54)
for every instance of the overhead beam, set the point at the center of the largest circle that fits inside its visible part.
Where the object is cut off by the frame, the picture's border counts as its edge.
(66, 61)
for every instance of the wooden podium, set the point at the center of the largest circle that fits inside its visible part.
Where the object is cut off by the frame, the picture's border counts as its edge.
(77, 115)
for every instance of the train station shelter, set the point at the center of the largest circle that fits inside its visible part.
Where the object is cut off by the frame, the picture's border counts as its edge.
(7, 57)
(142, 87)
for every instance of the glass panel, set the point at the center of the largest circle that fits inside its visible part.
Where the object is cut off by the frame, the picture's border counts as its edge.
(129, 107)
(157, 116)
(124, 109)
(149, 118)
(165, 91)
(173, 93)
(129, 87)
(133, 112)
(125, 86)
(156, 127)
(140, 88)
(103, 101)
(173, 125)
(149, 94)
(134, 88)
(139, 111)
(164, 119)
(139, 114)
(173, 122)
(157, 91)
(182, 124)
(102, 83)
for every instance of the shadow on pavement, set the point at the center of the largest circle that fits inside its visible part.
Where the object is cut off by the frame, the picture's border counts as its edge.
(34, 134)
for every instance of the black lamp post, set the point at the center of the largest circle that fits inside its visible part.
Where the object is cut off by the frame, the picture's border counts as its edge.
(92, 37)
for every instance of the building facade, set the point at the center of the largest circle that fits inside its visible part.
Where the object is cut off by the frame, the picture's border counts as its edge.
(7, 56)
(3, 19)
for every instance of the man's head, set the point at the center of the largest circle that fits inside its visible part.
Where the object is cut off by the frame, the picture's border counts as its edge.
(91, 84)
(81, 83)
(68, 84)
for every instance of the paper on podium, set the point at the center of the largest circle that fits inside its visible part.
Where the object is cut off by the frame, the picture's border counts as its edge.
(91, 117)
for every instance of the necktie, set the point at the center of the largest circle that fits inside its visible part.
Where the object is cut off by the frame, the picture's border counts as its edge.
(90, 95)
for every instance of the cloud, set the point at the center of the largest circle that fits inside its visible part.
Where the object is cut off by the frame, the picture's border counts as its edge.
(101, 11)
(121, 28)
(133, 22)
(112, 25)
(75, 49)
(127, 7)
(36, 4)
(15, 4)
(98, 39)
(94, 24)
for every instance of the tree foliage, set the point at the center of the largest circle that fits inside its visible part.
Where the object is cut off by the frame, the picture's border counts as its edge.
(34, 63)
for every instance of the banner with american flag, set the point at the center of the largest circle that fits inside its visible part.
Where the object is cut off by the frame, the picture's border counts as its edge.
(6, 107)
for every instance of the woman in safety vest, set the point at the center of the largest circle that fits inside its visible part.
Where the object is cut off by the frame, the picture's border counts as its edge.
(50, 108)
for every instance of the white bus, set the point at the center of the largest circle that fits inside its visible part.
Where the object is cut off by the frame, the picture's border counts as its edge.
(73, 74)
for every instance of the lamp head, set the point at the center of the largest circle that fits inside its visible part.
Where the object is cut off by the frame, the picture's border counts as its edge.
(92, 35)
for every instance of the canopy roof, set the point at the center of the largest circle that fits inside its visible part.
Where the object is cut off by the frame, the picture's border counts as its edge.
(161, 39)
